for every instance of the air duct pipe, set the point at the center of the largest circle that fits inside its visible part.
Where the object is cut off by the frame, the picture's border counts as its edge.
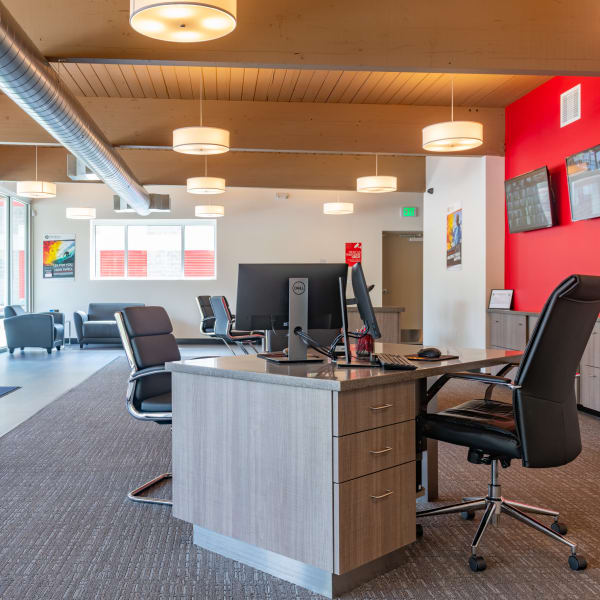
(27, 78)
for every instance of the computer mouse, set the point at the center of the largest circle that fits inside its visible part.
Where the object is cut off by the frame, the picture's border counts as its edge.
(429, 353)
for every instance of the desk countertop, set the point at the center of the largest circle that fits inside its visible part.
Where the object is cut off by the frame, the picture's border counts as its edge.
(328, 376)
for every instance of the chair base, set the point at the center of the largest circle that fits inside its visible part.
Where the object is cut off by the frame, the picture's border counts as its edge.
(135, 494)
(494, 504)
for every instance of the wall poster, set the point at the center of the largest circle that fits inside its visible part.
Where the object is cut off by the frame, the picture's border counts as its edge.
(59, 255)
(454, 237)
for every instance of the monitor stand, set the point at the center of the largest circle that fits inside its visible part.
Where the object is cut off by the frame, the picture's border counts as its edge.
(298, 319)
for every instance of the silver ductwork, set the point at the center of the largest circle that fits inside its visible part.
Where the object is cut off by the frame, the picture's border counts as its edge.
(27, 78)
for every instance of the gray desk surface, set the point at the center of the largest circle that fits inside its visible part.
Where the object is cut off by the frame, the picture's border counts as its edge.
(327, 376)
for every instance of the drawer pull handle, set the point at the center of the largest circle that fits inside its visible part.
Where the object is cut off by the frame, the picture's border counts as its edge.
(384, 451)
(382, 407)
(387, 493)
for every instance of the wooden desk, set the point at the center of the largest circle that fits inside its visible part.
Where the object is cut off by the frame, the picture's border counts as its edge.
(306, 471)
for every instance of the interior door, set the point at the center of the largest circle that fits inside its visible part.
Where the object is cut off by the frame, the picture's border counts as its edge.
(403, 279)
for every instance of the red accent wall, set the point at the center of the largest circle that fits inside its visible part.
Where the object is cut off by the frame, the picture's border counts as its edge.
(537, 260)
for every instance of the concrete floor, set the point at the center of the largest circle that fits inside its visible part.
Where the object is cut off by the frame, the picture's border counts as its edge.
(44, 378)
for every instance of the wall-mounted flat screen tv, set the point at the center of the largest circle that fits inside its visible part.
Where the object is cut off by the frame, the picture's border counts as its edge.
(583, 176)
(529, 201)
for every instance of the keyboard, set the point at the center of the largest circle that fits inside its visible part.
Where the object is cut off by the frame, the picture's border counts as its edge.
(395, 362)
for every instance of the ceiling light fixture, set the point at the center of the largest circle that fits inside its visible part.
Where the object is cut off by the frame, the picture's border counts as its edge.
(184, 22)
(206, 185)
(210, 211)
(377, 184)
(36, 189)
(338, 208)
(452, 136)
(201, 140)
(81, 213)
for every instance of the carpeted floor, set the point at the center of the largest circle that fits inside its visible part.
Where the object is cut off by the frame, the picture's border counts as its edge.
(68, 532)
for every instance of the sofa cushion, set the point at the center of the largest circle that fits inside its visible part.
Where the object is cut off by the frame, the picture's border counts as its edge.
(100, 329)
(59, 331)
(105, 311)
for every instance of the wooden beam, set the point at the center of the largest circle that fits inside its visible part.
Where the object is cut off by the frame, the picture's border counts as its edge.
(267, 125)
(240, 169)
(508, 36)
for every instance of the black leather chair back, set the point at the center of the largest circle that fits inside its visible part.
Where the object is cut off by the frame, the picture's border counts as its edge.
(545, 405)
(207, 325)
(150, 343)
(223, 318)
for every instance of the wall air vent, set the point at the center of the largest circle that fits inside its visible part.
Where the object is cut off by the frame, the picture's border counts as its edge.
(570, 105)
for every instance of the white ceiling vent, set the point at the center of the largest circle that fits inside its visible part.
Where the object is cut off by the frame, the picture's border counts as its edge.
(570, 105)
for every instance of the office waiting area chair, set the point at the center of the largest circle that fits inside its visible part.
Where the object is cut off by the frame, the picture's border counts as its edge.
(540, 427)
(207, 317)
(147, 336)
(223, 328)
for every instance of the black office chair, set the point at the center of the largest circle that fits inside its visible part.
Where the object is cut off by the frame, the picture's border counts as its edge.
(224, 327)
(540, 427)
(147, 336)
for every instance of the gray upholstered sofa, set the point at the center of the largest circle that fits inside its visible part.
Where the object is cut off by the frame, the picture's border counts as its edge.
(98, 325)
(33, 330)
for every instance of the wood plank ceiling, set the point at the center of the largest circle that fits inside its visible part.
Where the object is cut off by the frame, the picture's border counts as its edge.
(292, 85)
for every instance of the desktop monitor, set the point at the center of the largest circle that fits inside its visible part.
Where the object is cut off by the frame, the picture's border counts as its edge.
(363, 301)
(263, 296)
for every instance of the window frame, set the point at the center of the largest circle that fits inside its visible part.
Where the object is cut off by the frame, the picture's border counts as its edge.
(181, 223)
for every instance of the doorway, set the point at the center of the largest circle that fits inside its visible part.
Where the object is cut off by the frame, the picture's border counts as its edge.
(402, 253)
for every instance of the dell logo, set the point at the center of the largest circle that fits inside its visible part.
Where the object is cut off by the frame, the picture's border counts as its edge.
(298, 288)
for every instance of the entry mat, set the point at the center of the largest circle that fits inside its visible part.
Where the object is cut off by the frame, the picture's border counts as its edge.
(7, 389)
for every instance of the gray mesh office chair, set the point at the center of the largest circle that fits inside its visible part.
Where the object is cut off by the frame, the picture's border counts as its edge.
(224, 327)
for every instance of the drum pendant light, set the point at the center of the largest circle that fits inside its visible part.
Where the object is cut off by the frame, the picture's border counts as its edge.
(205, 185)
(209, 211)
(185, 21)
(338, 208)
(377, 184)
(81, 213)
(36, 189)
(452, 136)
(201, 140)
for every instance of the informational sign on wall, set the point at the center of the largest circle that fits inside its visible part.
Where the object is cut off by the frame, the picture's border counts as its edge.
(59, 255)
(353, 253)
(454, 238)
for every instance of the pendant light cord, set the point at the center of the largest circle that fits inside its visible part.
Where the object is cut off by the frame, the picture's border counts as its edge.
(452, 100)
(376, 165)
(36, 168)
(201, 95)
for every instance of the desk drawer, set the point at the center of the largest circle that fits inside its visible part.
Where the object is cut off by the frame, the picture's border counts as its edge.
(373, 450)
(374, 515)
(372, 407)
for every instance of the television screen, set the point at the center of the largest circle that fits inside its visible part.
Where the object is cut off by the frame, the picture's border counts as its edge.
(583, 176)
(529, 201)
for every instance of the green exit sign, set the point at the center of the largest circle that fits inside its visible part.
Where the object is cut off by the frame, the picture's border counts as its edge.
(409, 211)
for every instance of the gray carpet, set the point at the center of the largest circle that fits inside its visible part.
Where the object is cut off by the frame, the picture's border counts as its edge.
(68, 532)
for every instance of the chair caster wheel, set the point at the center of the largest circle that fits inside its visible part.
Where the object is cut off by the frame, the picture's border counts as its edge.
(577, 563)
(419, 530)
(559, 528)
(477, 563)
(467, 515)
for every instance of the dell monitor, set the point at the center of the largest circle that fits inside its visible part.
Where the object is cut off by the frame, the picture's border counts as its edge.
(263, 295)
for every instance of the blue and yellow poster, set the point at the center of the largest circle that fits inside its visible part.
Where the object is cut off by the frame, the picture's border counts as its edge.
(454, 239)
(59, 255)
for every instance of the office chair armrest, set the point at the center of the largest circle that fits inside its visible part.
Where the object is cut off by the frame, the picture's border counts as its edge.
(145, 372)
(481, 377)
(208, 319)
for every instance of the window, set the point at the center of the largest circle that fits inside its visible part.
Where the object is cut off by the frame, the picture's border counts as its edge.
(157, 249)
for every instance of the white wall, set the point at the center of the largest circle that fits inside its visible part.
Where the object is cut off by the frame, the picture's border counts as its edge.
(256, 228)
(455, 301)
